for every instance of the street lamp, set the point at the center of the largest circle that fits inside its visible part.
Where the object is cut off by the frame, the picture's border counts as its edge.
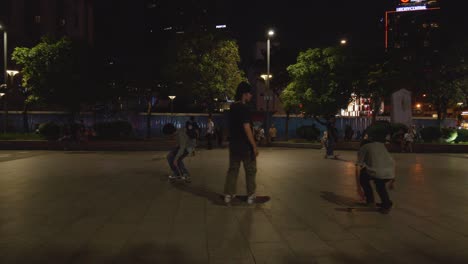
(267, 78)
(12, 73)
(5, 64)
(172, 97)
(343, 42)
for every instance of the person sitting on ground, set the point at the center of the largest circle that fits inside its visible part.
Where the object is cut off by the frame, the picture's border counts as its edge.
(185, 146)
(374, 163)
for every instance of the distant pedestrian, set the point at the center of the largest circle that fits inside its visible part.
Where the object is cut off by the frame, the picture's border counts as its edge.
(242, 146)
(210, 132)
(273, 133)
(375, 164)
(195, 126)
(408, 141)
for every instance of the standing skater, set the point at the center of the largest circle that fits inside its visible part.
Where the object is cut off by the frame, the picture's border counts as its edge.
(242, 146)
(332, 137)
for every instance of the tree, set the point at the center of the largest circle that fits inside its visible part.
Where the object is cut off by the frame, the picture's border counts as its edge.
(290, 103)
(379, 85)
(208, 68)
(446, 84)
(54, 73)
(321, 80)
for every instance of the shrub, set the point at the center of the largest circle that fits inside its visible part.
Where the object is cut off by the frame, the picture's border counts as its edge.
(114, 130)
(462, 136)
(169, 129)
(430, 134)
(448, 135)
(50, 130)
(308, 132)
(378, 131)
(396, 127)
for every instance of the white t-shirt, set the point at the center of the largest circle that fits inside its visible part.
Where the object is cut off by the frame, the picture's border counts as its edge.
(377, 160)
(210, 127)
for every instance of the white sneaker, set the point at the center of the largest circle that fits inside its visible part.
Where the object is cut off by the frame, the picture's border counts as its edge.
(172, 177)
(187, 178)
(251, 199)
(228, 198)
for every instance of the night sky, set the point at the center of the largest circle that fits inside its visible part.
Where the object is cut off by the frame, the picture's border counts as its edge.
(299, 24)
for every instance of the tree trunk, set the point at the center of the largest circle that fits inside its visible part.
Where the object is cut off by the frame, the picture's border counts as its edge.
(148, 120)
(287, 125)
(375, 109)
(25, 119)
(439, 116)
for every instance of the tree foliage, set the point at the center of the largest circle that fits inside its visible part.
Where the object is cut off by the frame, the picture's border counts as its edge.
(447, 82)
(53, 73)
(321, 81)
(207, 68)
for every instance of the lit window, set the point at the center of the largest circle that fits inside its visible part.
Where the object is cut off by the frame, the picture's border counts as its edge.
(434, 25)
(37, 19)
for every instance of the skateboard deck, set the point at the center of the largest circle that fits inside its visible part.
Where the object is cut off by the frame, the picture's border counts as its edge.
(242, 199)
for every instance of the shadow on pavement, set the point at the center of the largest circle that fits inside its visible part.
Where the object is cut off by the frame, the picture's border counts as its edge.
(340, 199)
(145, 252)
(214, 197)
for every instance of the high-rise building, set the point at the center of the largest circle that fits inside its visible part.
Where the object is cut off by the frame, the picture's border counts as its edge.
(414, 25)
(414, 39)
(28, 20)
(178, 17)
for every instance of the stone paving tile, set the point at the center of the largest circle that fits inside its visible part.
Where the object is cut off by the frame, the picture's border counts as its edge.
(120, 208)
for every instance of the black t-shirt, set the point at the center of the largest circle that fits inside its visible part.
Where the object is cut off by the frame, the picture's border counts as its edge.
(238, 116)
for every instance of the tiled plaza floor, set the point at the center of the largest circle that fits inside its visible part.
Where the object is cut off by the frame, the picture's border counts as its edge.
(118, 207)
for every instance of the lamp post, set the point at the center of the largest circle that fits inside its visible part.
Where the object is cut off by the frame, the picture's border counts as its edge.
(267, 78)
(172, 97)
(5, 72)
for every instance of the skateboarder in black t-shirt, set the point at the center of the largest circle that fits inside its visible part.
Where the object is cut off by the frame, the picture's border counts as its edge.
(242, 146)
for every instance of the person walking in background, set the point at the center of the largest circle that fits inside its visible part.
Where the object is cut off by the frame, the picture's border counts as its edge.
(273, 133)
(210, 131)
(242, 146)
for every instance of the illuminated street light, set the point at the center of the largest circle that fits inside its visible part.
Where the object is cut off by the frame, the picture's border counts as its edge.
(172, 97)
(418, 106)
(265, 76)
(460, 104)
(343, 42)
(12, 73)
(2, 94)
